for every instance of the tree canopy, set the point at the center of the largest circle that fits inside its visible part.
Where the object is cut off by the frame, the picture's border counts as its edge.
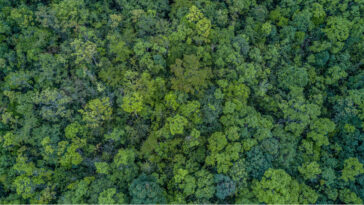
(183, 101)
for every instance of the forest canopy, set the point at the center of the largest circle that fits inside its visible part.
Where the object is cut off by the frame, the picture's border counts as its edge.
(181, 101)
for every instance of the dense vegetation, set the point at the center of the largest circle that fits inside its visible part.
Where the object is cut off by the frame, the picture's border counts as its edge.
(182, 101)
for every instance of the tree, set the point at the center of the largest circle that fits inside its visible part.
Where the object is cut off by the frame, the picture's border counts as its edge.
(349, 197)
(276, 186)
(54, 104)
(110, 196)
(191, 111)
(225, 186)
(185, 182)
(298, 113)
(189, 76)
(18, 80)
(201, 24)
(96, 112)
(310, 170)
(205, 189)
(106, 196)
(71, 156)
(292, 77)
(118, 48)
(145, 190)
(124, 157)
(337, 28)
(177, 124)
(238, 173)
(258, 162)
(69, 14)
(73, 130)
(318, 13)
(133, 103)
(85, 52)
(217, 142)
(123, 167)
(102, 168)
(352, 168)
(192, 141)
(78, 191)
(238, 7)
(220, 156)
(320, 129)
(334, 74)
(24, 187)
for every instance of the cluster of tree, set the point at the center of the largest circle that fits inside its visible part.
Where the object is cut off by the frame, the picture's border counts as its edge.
(184, 101)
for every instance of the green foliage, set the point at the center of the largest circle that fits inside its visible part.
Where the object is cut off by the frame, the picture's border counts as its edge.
(71, 156)
(199, 22)
(177, 124)
(205, 189)
(290, 77)
(72, 130)
(352, 168)
(109, 196)
(185, 182)
(310, 170)
(238, 173)
(144, 190)
(337, 28)
(105, 197)
(124, 157)
(118, 48)
(349, 197)
(320, 129)
(276, 186)
(96, 112)
(258, 162)
(183, 102)
(217, 142)
(102, 167)
(78, 191)
(133, 103)
(225, 186)
(84, 51)
(189, 76)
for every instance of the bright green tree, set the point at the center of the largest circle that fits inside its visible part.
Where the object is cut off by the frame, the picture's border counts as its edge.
(96, 112)
(352, 168)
